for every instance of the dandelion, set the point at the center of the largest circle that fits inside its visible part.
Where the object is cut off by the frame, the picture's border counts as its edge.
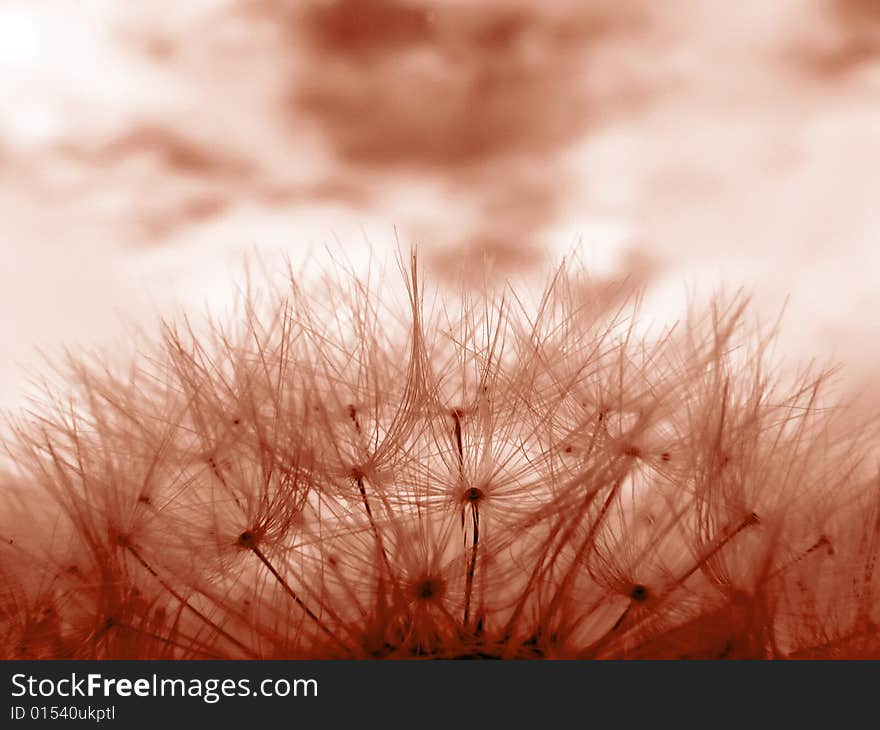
(359, 471)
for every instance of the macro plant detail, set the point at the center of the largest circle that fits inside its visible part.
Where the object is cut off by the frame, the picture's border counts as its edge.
(353, 471)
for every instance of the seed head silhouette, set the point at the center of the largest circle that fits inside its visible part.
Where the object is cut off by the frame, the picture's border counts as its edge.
(347, 474)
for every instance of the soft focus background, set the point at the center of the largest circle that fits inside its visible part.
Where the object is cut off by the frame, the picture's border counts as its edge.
(146, 147)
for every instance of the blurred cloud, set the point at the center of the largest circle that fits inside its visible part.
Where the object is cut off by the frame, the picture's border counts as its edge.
(482, 98)
(848, 40)
(144, 147)
(395, 83)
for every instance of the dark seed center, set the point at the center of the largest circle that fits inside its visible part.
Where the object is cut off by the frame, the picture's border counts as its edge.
(474, 494)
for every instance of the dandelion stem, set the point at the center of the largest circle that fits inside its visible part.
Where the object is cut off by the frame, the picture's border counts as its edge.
(380, 544)
(725, 538)
(193, 645)
(473, 495)
(290, 592)
(472, 566)
(137, 556)
(581, 553)
(459, 445)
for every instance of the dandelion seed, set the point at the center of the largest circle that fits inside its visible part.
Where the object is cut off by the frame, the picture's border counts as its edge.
(363, 471)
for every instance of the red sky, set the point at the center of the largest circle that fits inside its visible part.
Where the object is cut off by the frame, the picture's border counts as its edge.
(143, 151)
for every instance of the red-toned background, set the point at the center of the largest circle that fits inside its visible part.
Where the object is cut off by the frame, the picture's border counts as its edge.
(145, 147)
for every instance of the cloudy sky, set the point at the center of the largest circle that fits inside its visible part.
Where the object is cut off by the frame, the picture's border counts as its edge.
(145, 148)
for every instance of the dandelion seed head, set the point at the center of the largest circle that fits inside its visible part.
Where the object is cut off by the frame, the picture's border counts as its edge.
(341, 473)
(247, 540)
(429, 588)
(473, 495)
(631, 450)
